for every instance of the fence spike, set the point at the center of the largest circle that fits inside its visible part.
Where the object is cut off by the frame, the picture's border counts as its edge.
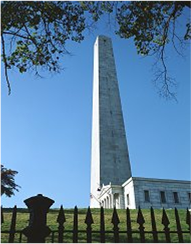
(61, 219)
(13, 224)
(102, 226)
(166, 222)
(154, 228)
(141, 221)
(129, 228)
(140, 218)
(76, 215)
(75, 225)
(89, 219)
(2, 216)
(115, 221)
(179, 229)
(61, 216)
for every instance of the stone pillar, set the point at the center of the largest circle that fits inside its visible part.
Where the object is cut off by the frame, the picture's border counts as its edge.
(37, 230)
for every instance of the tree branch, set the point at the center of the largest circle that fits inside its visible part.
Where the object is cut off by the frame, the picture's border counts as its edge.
(6, 66)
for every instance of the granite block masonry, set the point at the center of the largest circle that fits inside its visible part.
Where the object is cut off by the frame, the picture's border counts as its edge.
(110, 157)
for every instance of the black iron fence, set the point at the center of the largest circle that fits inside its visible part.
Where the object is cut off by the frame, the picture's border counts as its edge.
(37, 230)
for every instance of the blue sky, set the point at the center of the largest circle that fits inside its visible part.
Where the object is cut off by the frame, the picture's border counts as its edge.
(46, 123)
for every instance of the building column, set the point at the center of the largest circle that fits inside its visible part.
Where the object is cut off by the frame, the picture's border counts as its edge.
(111, 201)
(104, 203)
(107, 202)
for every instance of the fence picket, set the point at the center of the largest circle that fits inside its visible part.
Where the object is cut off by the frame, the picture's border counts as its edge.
(115, 221)
(89, 221)
(129, 228)
(178, 225)
(61, 219)
(102, 231)
(166, 222)
(141, 221)
(13, 224)
(102, 226)
(75, 225)
(154, 228)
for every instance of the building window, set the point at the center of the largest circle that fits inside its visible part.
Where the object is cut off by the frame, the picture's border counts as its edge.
(128, 200)
(189, 196)
(176, 198)
(163, 197)
(147, 197)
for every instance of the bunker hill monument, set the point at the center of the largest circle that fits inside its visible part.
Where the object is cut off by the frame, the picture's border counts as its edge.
(112, 183)
(110, 157)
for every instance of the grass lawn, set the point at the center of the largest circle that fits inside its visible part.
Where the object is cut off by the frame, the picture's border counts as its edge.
(23, 217)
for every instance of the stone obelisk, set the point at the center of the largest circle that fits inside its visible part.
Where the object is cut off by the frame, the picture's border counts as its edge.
(109, 155)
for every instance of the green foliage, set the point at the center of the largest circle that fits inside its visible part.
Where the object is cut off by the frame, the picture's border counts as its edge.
(38, 32)
(8, 185)
(152, 25)
(147, 22)
(149, 26)
(34, 34)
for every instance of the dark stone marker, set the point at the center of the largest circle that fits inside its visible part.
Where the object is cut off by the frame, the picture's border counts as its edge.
(37, 230)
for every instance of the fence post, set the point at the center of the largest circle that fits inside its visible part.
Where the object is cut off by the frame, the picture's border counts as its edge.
(154, 228)
(75, 226)
(102, 226)
(61, 219)
(129, 228)
(13, 224)
(141, 221)
(89, 221)
(179, 229)
(165, 222)
(115, 221)
(37, 230)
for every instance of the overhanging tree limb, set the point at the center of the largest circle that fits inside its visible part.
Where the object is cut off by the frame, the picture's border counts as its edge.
(6, 66)
(40, 30)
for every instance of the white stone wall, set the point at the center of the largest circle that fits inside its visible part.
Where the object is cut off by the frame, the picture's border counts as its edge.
(155, 186)
(128, 189)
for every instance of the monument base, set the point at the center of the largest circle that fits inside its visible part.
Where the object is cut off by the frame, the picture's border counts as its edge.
(145, 193)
